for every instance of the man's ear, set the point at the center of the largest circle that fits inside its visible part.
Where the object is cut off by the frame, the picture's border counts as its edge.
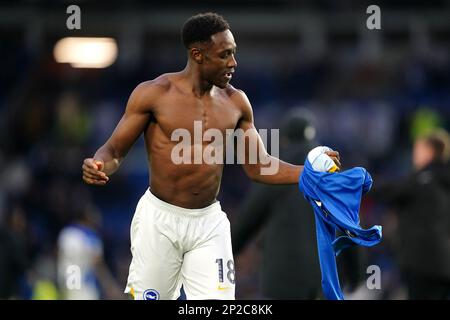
(196, 55)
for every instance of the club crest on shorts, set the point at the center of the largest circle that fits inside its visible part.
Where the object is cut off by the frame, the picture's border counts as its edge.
(151, 294)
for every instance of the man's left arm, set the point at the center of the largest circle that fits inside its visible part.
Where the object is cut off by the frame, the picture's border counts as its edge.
(267, 168)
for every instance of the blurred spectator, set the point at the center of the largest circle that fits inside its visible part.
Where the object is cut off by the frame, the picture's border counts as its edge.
(82, 271)
(13, 253)
(290, 265)
(422, 206)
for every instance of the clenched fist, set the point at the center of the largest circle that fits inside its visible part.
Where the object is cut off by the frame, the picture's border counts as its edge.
(92, 172)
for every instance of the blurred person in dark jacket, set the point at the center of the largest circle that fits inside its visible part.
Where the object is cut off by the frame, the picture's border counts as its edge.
(13, 253)
(290, 265)
(422, 206)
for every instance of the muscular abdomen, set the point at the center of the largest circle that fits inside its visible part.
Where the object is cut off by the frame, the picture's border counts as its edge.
(187, 185)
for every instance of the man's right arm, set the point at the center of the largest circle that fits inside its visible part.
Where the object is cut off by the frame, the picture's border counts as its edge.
(137, 114)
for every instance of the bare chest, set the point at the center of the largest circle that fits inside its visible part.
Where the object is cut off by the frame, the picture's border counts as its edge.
(196, 116)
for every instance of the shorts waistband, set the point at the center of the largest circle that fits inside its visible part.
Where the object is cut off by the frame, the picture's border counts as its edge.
(167, 207)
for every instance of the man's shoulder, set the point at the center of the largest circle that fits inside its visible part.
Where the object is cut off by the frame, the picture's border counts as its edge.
(148, 92)
(158, 85)
(237, 95)
(233, 92)
(239, 98)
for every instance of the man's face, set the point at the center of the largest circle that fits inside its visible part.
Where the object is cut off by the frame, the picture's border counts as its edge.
(218, 59)
(423, 154)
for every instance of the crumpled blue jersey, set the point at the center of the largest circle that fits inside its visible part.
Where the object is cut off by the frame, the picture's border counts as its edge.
(336, 198)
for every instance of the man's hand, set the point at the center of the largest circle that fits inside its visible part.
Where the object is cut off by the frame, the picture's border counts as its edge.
(92, 172)
(334, 155)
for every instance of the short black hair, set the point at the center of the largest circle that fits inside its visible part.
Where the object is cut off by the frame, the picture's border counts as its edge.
(201, 27)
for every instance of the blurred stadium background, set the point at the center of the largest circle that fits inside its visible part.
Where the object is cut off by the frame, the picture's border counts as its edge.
(371, 92)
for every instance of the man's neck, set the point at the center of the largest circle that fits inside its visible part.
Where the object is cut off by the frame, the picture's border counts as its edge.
(198, 86)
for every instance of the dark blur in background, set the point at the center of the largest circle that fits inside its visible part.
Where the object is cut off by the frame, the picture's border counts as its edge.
(371, 94)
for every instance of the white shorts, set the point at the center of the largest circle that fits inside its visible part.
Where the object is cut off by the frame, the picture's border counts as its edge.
(173, 246)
